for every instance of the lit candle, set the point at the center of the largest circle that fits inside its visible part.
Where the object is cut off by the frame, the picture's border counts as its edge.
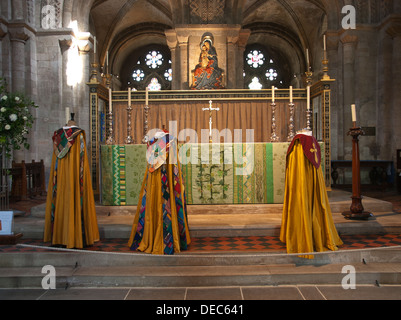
(290, 94)
(272, 93)
(67, 114)
(353, 112)
(110, 101)
(129, 96)
(308, 97)
(147, 96)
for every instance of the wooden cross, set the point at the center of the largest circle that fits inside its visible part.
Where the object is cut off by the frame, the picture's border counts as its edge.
(314, 150)
(210, 109)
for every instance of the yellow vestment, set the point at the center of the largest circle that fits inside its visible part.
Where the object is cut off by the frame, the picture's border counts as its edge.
(160, 224)
(307, 223)
(70, 218)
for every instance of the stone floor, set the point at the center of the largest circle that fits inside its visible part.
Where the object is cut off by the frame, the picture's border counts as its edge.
(386, 220)
(212, 294)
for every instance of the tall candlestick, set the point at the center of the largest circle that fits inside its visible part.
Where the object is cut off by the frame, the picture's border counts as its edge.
(147, 96)
(129, 96)
(67, 114)
(308, 97)
(272, 93)
(353, 112)
(290, 94)
(110, 101)
(107, 61)
(307, 58)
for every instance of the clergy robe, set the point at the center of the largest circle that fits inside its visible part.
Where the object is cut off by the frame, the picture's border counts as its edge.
(70, 218)
(307, 223)
(160, 225)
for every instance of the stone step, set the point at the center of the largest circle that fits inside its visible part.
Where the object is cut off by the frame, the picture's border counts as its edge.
(201, 276)
(72, 258)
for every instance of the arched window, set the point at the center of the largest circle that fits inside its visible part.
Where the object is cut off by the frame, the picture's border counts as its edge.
(261, 70)
(151, 68)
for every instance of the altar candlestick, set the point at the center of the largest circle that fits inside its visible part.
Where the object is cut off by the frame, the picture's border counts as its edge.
(290, 94)
(353, 112)
(308, 97)
(67, 114)
(272, 93)
(107, 61)
(110, 101)
(307, 58)
(147, 96)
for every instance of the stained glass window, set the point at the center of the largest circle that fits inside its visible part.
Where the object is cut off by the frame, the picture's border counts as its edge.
(154, 85)
(255, 58)
(261, 70)
(271, 74)
(151, 67)
(138, 75)
(255, 84)
(154, 59)
(168, 74)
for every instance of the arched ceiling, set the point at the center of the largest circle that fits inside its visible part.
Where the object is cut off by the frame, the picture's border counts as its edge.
(288, 26)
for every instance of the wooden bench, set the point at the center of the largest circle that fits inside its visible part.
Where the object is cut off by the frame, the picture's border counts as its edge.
(28, 180)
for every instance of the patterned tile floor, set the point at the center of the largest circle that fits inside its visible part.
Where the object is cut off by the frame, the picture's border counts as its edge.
(221, 244)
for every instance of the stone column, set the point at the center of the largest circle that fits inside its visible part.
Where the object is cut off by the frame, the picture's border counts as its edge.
(82, 103)
(185, 76)
(349, 42)
(18, 38)
(232, 60)
(395, 33)
(384, 95)
(67, 98)
(171, 38)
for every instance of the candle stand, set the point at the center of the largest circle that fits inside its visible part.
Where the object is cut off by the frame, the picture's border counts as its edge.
(357, 211)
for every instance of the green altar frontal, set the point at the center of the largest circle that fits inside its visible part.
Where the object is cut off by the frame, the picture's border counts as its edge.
(226, 173)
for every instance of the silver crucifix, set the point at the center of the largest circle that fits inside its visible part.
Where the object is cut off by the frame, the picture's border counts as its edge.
(210, 109)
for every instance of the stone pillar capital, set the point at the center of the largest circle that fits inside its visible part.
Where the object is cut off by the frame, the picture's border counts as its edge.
(347, 38)
(394, 29)
(18, 35)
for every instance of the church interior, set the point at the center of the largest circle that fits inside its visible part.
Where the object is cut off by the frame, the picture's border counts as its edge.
(232, 80)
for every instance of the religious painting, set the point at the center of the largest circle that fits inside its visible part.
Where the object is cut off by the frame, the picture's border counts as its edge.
(207, 74)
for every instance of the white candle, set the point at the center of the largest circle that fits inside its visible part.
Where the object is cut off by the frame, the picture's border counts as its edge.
(129, 96)
(290, 94)
(147, 96)
(272, 93)
(307, 58)
(324, 42)
(94, 44)
(107, 61)
(67, 114)
(110, 101)
(308, 97)
(353, 112)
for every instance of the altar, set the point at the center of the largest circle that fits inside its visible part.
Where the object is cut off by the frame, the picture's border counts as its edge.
(244, 125)
(226, 173)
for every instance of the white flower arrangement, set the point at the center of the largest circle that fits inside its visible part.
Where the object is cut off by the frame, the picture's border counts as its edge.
(15, 119)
